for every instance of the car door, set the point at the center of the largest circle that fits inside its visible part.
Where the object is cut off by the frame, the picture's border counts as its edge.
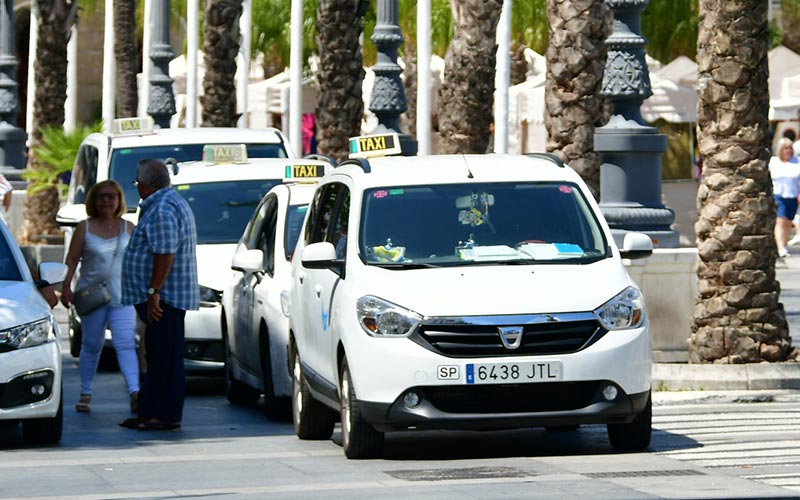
(265, 241)
(319, 290)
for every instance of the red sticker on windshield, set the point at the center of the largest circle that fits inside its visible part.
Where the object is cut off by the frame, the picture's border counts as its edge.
(380, 194)
(565, 189)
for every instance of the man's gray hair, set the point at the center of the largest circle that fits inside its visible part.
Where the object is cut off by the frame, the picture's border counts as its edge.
(153, 172)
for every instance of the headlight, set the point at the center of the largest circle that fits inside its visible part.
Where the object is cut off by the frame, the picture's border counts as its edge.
(32, 334)
(209, 295)
(380, 318)
(624, 311)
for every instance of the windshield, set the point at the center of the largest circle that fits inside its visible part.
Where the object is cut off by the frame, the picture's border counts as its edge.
(222, 209)
(122, 167)
(471, 224)
(294, 223)
(9, 270)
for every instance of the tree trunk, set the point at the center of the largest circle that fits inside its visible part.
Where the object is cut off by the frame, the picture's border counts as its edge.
(340, 105)
(466, 98)
(221, 46)
(409, 119)
(126, 57)
(737, 318)
(39, 213)
(576, 57)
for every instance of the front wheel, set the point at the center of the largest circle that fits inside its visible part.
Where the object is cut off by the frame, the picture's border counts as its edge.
(45, 430)
(634, 436)
(359, 438)
(76, 336)
(312, 419)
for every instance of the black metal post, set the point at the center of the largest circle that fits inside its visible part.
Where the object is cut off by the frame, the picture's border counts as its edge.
(161, 103)
(12, 138)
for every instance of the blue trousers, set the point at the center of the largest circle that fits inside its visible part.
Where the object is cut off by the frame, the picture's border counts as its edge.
(163, 384)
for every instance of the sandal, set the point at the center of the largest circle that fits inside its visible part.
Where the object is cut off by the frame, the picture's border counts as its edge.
(134, 402)
(131, 423)
(83, 403)
(157, 425)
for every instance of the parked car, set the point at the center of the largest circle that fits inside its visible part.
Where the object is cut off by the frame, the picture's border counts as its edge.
(30, 347)
(464, 292)
(255, 301)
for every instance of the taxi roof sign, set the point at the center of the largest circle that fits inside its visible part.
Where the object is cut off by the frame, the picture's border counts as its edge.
(303, 172)
(369, 146)
(225, 153)
(133, 126)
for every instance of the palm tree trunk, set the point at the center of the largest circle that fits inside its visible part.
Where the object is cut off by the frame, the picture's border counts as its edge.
(42, 204)
(576, 56)
(409, 118)
(221, 45)
(737, 318)
(126, 57)
(466, 97)
(340, 105)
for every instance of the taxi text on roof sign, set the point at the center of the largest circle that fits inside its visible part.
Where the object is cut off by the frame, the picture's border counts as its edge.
(368, 146)
(303, 171)
(225, 153)
(133, 126)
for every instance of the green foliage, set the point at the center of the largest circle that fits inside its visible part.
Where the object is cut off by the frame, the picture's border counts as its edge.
(670, 27)
(529, 24)
(272, 30)
(677, 160)
(55, 155)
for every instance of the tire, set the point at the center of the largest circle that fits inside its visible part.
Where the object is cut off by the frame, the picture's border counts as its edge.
(77, 336)
(45, 430)
(277, 409)
(634, 436)
(359, 438)
(237, 392)
(312, 419)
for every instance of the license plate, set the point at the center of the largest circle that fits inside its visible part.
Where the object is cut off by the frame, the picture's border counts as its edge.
(505, 373)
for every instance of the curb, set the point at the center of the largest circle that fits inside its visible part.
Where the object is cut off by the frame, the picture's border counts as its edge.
(675, 376)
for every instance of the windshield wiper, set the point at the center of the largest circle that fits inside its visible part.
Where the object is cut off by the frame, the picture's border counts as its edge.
(499, 262)
(405, 265)
(242, 203)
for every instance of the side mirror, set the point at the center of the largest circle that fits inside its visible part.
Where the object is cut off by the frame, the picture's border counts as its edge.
(636, 246)
(70, 215)
(249, 261)
(51, 273)
(322, 256)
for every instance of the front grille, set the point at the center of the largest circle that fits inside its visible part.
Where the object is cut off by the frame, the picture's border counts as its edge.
(520, 398)
(467, 339)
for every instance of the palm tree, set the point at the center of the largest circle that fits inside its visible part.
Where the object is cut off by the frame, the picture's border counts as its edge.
(737, 318)
(467, 93)
(340, 104)
(126, 56)
(55, 21)
(220, 46)
(576, 56)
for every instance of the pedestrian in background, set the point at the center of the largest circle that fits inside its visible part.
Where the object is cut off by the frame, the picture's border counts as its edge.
(98, 244)
(159, 272)
(784, 169)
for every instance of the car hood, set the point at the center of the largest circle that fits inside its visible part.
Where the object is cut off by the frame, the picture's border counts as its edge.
(20, 303)
(214, 265)
(495, 290)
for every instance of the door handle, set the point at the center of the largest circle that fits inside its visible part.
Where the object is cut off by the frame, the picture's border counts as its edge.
(300, 278)
(318, 289)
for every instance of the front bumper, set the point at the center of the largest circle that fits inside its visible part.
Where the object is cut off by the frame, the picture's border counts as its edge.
(203, 351)
(506, 406)
(30, 382)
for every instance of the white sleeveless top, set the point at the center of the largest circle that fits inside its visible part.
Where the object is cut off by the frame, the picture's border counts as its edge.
(98, 263)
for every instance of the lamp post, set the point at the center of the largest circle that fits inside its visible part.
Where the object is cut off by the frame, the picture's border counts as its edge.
(630, 176)
(161, 103)
(12, 138)
(388, 98)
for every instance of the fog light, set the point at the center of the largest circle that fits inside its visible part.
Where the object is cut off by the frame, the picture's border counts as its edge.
(610, 392)
(192, 350)
(411, 400)
(37, 390)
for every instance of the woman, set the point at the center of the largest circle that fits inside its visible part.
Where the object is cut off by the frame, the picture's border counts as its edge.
(98, 244)
(785, 172)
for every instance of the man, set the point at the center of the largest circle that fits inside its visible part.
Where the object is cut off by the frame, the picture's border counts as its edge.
(159, 277)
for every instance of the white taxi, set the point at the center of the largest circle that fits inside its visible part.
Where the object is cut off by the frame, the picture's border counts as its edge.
(115, 156)
(255, 301)
(30, 346)
(223, 191)
(464, 292)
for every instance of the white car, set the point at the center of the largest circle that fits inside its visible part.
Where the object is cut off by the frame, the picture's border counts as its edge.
(255, 301)
(223, 196)
(464, 292)
(115, 156)
(30, 348)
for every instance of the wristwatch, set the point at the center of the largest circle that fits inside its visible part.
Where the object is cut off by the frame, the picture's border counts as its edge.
(152, 291)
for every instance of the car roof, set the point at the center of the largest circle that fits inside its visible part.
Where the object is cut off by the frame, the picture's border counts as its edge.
(200, 135)
(299, 193)
(195, 172)
(449, 169)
